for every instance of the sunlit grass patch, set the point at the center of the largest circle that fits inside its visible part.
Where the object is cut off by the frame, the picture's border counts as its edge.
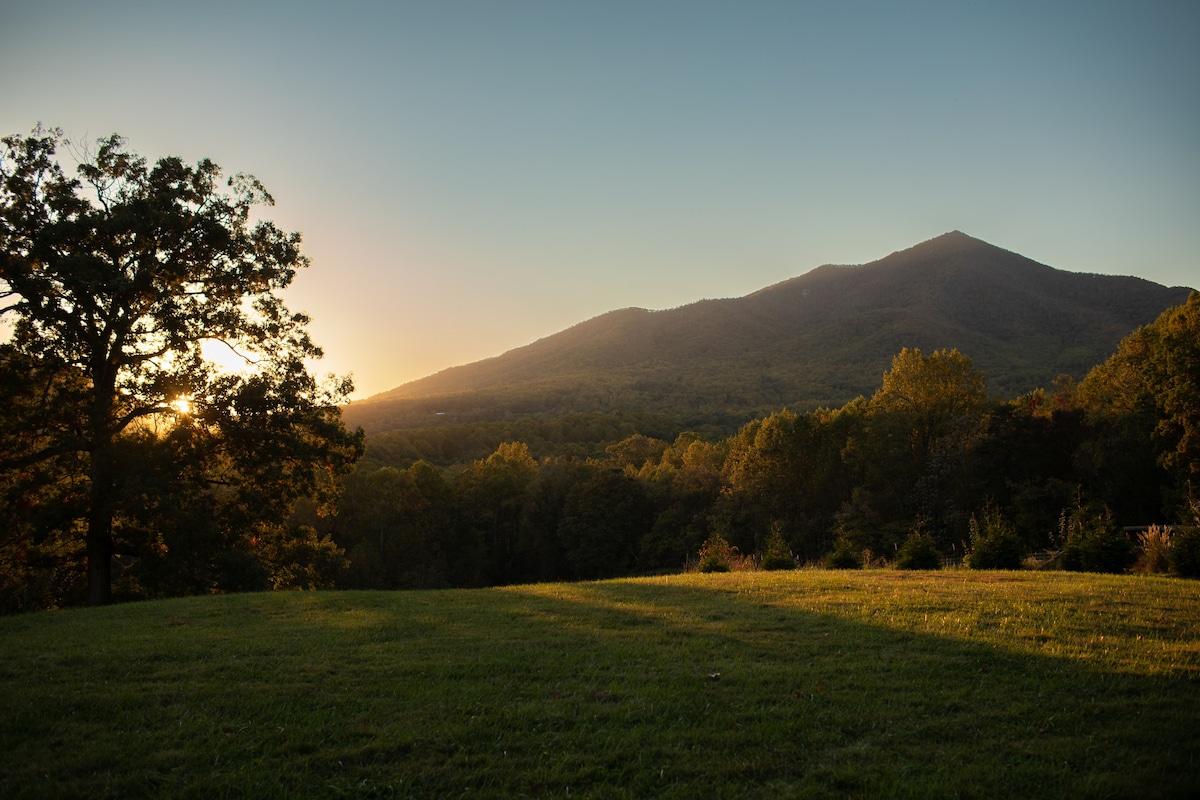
(805, 683)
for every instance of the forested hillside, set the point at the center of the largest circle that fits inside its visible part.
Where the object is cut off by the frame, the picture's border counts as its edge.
(820, 339)
(929, 467)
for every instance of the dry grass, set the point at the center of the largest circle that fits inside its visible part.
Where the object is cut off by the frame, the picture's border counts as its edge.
(1155, 547)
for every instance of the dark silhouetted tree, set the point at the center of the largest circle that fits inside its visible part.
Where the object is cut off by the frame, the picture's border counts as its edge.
(115, 282)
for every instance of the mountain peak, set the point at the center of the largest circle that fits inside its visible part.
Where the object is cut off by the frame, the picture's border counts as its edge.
(952, 242)
(817, 339)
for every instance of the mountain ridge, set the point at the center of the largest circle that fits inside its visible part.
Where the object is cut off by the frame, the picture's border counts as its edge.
(1021, 321)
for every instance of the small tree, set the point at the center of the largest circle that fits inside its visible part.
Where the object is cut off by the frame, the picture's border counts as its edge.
(1185, 545)
(994, 542)
(1092, 542)
(918, 552)
(844, 555)
(717, 555)
(1185, 551)
(777, 555)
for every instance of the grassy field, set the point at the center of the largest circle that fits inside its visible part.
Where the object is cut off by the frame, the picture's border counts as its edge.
(805, 684)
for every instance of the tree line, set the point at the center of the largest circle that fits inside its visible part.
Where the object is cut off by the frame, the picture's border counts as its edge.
(928, 462)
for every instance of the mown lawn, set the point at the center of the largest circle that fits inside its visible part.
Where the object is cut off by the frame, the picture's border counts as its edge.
(805, 684)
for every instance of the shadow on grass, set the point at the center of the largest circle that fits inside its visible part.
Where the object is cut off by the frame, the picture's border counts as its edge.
(605, 689)
(826, 703)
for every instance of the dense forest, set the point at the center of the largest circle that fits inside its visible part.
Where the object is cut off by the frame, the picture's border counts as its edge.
(929, 465)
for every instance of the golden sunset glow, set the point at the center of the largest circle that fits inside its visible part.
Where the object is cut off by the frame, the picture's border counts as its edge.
(225, 358)
(181, 404)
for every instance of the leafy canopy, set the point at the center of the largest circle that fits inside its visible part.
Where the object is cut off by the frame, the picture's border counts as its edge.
(115, 282)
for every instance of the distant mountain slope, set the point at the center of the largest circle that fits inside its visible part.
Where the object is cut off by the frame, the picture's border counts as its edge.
(818, 339)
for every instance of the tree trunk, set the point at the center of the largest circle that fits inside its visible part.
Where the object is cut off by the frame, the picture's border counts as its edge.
(99, 531)
(99, 564)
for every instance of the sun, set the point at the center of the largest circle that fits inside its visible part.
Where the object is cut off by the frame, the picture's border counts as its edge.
(181, 404)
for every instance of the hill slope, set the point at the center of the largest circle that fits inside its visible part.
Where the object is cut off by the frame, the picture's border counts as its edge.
(818, 339)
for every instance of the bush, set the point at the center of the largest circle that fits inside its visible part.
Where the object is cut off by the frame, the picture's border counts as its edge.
(1091, 541)
(918, 552)
(1185, 551)
(994, 542)
(717, 555)
(778, 555)
(843, 556)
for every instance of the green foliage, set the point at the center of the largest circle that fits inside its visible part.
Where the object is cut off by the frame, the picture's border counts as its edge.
(635, 452)
(716, 555)
(932, 389)
(1027, 462)
(995, 543)
(787, 469)
(777, 554)
(1185, 551)
(397, 528)
(1154, 379)
(919, 551)
(603, 519)
(491, 495)
(1092, 542)
(844, 555)
(926, 420)
(447, 441)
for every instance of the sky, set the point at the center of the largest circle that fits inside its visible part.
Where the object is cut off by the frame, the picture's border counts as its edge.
(472, 176)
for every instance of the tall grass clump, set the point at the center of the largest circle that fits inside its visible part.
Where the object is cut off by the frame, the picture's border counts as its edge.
(1155, 546)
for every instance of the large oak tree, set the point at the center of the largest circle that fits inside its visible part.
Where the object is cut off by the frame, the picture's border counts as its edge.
(116, 283)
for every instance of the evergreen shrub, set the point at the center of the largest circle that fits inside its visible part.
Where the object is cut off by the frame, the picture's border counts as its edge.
(994, 542)
(918, 552)
(1092, 542)
(843, 556)
(717, 555)
(1185, 551)
(778, 555)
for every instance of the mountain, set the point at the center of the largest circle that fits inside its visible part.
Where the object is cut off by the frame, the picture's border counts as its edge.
(818, 339)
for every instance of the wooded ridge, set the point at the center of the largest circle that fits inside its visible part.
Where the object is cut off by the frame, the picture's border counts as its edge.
(819, 339)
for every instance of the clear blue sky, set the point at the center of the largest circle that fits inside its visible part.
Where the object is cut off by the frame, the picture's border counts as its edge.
(471, 176)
